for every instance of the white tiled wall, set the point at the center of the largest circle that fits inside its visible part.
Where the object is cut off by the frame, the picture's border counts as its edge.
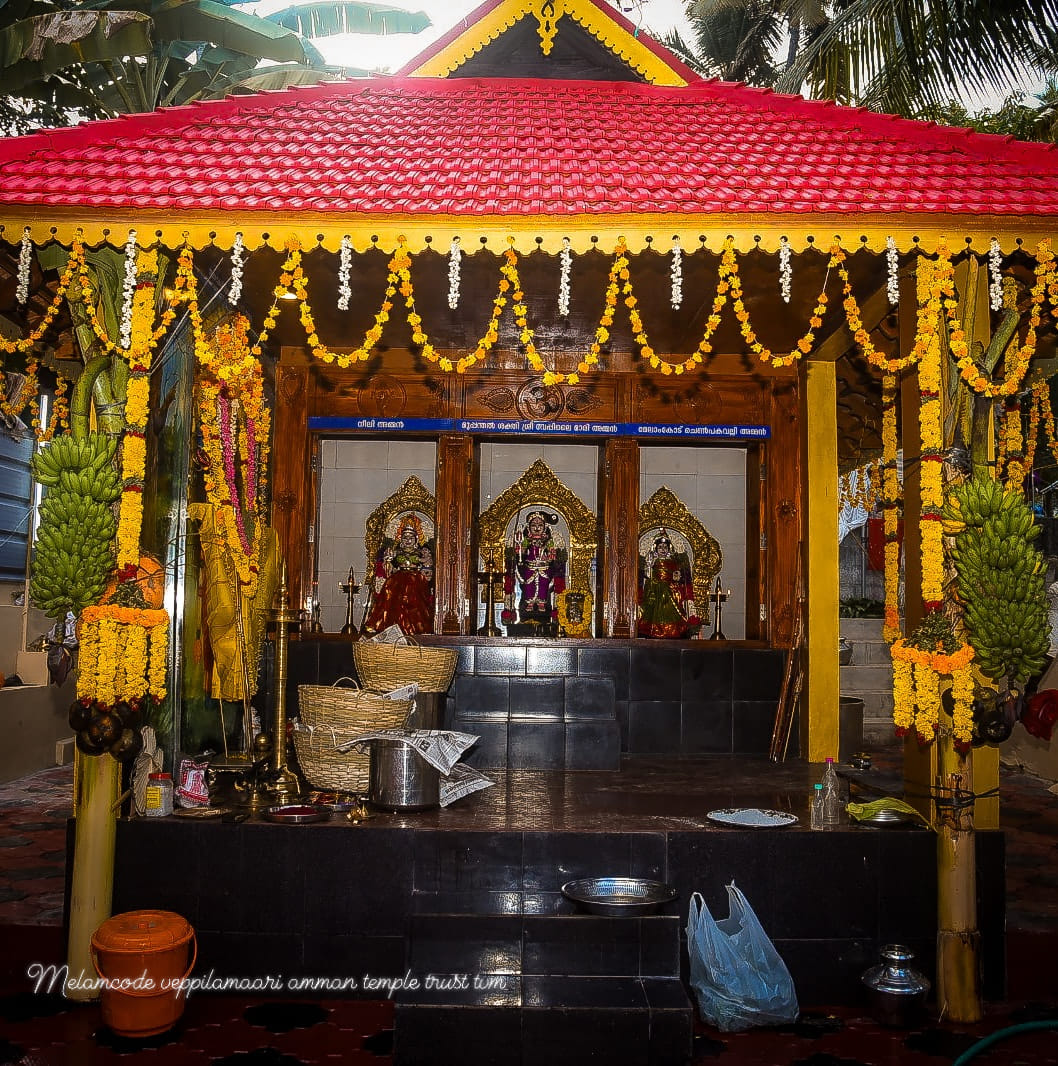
(711, 482)
(355, 477)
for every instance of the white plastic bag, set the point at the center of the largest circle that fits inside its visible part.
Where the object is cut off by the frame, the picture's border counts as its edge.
(738, 977)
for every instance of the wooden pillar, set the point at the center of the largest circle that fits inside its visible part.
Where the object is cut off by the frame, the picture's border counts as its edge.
(819, 708)
(455, 515)
(292, 502)
(621, 536)
(782, 526)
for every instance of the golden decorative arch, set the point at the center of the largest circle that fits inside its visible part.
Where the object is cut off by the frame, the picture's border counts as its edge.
(382, 522)
(539, 487)
(665, 508)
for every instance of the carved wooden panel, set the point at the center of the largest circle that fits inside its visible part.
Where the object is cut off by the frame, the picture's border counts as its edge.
(621, 552)
(456, 484)
(369, 393)
(700, 401)
(782, 507)
(292, 493)
(513, 394)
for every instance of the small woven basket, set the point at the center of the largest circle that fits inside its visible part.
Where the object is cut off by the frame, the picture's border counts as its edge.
(389, 666)
(335, 716)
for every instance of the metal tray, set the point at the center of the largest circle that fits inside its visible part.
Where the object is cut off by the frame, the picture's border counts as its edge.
(627, 897)
(297, 814)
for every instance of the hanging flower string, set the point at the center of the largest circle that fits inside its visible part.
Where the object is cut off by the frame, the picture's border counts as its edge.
(128, 287)
(785, 270)
(892, 276)
(235, 288)
(890, 510)
(1011, 455)
(235, 426)
(931, 434)
(25, 260)
(995, 275)
(454, 255)
(676, 274)
(920, 675)
(345, 265)
(565, 260)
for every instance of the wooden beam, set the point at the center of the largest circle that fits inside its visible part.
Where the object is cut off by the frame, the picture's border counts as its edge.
(872, 311)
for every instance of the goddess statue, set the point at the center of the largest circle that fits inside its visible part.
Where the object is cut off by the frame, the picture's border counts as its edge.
(536, 569)
(402, 585)
(666, 595)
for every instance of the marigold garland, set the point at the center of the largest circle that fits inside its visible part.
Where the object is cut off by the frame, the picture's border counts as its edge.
(890, 509)
(931, 436)
(919, 676)
(235, 424)
(123, 653)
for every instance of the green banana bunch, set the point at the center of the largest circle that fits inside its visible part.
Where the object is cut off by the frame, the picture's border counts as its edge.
(74, 556)
(1000, 579)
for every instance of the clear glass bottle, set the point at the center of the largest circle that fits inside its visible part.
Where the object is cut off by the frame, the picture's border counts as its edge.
(815, 808)
(833, 806)
(159, 796)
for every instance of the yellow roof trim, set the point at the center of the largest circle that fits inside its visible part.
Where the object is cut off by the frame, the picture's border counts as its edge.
(531, 232)
(494, 23)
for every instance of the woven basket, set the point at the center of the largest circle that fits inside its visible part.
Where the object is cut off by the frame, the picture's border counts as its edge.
(389, 666)
(336, 716)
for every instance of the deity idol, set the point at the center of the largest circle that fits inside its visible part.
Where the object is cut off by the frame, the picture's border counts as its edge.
(666, 595)
(403, 582)
(537, 567)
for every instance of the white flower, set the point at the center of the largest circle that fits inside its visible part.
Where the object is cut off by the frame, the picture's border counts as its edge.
(995, 276)
(676, 272)
(128, 289)
(565, 259)
(454, 256)
(345, 261)
(25, 257)
(785, 269)
(235, 289)
(892, 281)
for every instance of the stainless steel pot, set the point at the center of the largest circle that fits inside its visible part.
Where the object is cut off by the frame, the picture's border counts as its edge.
(897, 992)
(401, 779)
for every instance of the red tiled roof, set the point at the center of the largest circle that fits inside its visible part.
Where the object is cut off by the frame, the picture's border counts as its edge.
(485, 147)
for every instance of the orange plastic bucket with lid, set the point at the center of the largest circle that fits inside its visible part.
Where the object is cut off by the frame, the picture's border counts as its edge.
(143, 957)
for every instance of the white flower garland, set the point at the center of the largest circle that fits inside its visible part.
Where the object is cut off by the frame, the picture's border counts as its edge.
(454, 256)
(995, 276)
(565, 259)
(892, 281)
(785, 269)
(128, 288)
(676, 272)
(235, 289)
(25, 257)
(345, 263)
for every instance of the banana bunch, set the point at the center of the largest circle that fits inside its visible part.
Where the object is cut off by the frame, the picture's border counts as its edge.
(73, 556)
(1000, 578)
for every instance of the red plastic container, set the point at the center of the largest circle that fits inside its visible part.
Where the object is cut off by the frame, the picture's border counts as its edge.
(143, 956)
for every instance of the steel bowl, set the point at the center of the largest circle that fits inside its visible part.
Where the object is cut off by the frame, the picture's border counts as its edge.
(619, 897)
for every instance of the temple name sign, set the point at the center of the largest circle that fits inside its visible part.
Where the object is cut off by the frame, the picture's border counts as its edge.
(531, 427)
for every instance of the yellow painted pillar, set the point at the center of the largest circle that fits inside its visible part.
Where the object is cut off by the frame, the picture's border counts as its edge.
(820, 701)
(98, 786)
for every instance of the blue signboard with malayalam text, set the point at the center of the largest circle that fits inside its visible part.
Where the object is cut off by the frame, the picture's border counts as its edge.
(530, 427)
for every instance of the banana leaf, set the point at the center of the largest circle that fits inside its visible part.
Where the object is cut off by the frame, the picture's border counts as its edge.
(285, 75)
(39, 47)
(209, 22)
(349, 16)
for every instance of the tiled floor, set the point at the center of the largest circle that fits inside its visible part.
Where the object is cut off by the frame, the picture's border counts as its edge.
(42, 1030)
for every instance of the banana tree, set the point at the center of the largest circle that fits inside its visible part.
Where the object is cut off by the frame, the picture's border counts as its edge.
(110, 57)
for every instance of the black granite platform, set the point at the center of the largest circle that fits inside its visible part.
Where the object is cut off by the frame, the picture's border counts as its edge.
(475, 890)
(580, 705)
